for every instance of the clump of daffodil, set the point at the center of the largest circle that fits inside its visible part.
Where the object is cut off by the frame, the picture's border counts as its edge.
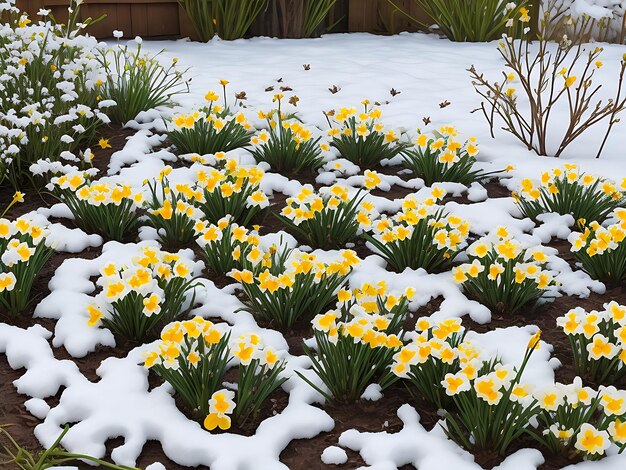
(211, 129)
(24, 250)
(421, 235)
(331, 217)
(233, 190)
(492, 408)
(502, 275)
(108, 209)
(602, 250)
(577, 421)
(138, 81)
(356, 341)
(598, 342)
(155, 289)
(171, 209)
(194, 355)
(361, 137)
(441, 157)
(286, 145)
(437, 361)
(283, 286)
(225, 244)
(567, 190)
(52, 107)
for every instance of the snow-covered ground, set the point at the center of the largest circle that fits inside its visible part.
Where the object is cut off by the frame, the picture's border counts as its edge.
(425, 71)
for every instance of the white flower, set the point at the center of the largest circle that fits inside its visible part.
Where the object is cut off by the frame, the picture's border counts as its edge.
(117, 34)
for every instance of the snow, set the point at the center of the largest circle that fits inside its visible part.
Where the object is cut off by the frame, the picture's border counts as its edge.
(426, 70)
(334, 455)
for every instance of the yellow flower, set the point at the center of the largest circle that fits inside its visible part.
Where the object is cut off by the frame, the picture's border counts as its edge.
(454, 384)
(371, 179)
(486, 389)
(617, 431)
(104, 143)
(592, 441)
(569, 81)
(211, 96)
(95, 314)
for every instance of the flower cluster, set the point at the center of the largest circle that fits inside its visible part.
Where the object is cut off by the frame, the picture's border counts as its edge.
(602, 250)
(286, 145)
(421, 235)
(283, 286)
(157, 288)
(361, 137)
(567, 190)
(51, 81)
(210, 130)
(233, 190)
(24, 251)
(138, 81)
(357, 340)
(225, 244)
(109, 209)
(194, 355)
(491, 407)
(438, 360)
(570, 421)
(502, 275)
(171, 210)
(441, 157)
(598, 341)
(329, 218)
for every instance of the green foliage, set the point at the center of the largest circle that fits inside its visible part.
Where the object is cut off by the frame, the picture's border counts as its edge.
(362, 139)
(602, 250)
(109, 210)
(328, 220)
(356, 343)
(443, 159)
(486, 415)
(314, 14)
(196, 380)
(422, 235)
(229, 19)
(138, 81)
(24, 252)
(171, 211)
(567, 191)
(283, 286)
(467, 20)
(211, 130)
(157, 289)
(46, 112)
(233, 191)
(502, 275)
(286, 145)
(18, 457)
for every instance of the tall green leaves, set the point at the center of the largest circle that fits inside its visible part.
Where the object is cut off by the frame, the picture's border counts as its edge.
(228, 19)
(138, 82)
(467, 20)
(315, 12)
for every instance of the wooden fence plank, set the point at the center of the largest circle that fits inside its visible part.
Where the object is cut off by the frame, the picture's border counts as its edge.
(150, 18)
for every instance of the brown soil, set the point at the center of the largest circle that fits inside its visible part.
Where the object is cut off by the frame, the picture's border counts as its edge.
(364, 416)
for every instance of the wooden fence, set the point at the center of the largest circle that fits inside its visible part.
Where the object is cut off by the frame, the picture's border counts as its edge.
(165, 18)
